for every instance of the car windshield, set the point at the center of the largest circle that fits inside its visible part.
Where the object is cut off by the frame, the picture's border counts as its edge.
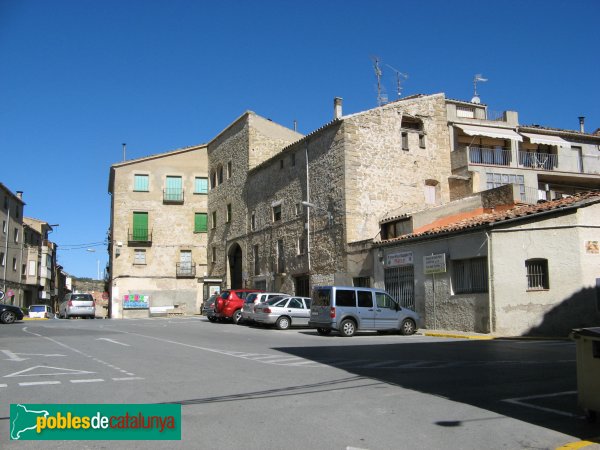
(86, 297)
(37, 308)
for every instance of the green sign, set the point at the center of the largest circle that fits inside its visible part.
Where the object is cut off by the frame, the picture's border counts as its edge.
(47, 422)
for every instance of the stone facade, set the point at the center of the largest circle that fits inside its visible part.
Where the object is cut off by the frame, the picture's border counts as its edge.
(11, 246)
(168, 263)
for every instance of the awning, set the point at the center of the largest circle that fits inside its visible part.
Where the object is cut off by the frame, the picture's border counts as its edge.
(499, 133)
(546, 139)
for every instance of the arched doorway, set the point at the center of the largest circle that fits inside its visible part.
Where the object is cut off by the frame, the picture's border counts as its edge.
(235, 267)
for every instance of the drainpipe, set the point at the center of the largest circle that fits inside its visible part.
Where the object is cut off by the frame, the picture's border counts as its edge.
(307, 211)
(491, 302)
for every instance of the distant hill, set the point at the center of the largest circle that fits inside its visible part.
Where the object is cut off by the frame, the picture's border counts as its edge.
(87, 284)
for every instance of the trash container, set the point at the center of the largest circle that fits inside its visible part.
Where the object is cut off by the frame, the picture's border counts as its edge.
(588, 370)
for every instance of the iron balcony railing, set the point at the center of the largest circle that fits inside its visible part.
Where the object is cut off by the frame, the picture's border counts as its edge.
(540, 161)
(140, 235)
(185, 269)
(173, 195)
(490, 156)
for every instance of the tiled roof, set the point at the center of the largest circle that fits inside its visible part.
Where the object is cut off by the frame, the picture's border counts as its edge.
(556, 130)
(520, 211)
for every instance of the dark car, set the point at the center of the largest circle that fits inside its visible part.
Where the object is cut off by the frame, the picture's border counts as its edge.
(208, 308)
(10, 313)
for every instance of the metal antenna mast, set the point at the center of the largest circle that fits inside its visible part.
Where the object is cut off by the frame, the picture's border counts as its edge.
(381, 95)
(399, 76)
(478, 77)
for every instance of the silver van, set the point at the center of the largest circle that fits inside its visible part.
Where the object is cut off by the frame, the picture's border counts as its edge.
(77, 305)
(348, 309)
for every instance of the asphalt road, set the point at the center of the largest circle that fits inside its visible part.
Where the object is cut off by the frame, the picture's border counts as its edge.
(252, 388)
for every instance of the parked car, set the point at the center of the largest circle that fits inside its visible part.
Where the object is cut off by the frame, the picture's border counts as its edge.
(77, 305)
(283, 312)
(10, 313)
(208, 308)
(229, 304)
(254, 299)
(348, 309)
(40, 312)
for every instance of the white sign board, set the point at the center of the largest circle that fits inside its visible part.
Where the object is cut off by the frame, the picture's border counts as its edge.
(434, 264)
(399, 259)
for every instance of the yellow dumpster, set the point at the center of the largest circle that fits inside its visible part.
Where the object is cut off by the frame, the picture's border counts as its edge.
(588, 370)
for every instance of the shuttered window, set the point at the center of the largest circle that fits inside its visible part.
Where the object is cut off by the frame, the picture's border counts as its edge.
(201, 185)
(200, 223)
(140, 183)
(140, 226)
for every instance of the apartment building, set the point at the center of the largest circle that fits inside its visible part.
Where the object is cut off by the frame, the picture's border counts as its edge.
(11, 246)
(39, 270)
(158, 233)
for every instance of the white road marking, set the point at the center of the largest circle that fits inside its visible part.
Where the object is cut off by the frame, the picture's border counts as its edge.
(127, 378)
(91, 380)
(12, 356)
(37, 383)
(113, 341)
(3, 385)
(519, 401)
(24, 373)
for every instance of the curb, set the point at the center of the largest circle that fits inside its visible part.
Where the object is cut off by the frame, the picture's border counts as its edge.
(458, 336)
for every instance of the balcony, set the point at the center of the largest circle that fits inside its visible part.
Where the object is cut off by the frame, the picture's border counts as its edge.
(173, 196)
(497, 156)
(185, 269)
(139, 237)
(539, 161)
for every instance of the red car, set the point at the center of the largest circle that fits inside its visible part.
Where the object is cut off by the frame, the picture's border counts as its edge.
(229, 304)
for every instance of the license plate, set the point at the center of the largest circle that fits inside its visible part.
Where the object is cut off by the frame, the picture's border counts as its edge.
(315, 313)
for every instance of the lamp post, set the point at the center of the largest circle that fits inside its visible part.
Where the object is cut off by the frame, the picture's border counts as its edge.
(91, 250)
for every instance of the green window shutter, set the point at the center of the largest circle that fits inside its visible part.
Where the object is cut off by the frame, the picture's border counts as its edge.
(200, 223)
(174, 191)
(140, 226)
(201, 186)
(140, 183)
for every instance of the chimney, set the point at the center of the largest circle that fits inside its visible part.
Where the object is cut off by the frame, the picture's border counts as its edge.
(337, 108)
(20, 195)
(581, 123)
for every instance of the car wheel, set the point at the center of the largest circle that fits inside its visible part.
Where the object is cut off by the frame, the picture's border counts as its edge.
(324, 331)
(237, 316)
(8, 317)
(283, 323)
(212, 319)
(408, 327)
(347, 328)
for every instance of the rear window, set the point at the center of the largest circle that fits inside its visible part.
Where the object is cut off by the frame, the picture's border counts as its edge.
(321, 297)
(345, 297)
(307, 302)
(37, 308)
(250, 298)
(225, 295)
(85, 297)
(274, 300)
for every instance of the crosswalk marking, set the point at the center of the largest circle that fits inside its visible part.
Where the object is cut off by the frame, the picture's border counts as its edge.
(91, 380)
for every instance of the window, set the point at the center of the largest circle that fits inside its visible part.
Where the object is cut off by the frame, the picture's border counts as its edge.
(228, 212)
(213, 220)
(293, 159)
(396, 228)
(277, 213)
(16, 235)
(280, 257)
(220, 174)
(173, 189)
(256, 260)
(385, 301)
(14, 264)
(345, 297)
(537, 274)
(469, 276)
(361, 282)
(495, 180)
(229, 169)
(404, 140)
(301, 246)
(253, 221)
(213, 180)
(200, 220)
(421, 140)
(139, 256)
(298, 209)
(295, 303)
(32, 268)
(365, 299)
(201, 185)
(140, 183)
(2, 259)
(213, 257)
(140, 226)
(431, 192)
(281, 163)
(4, 226)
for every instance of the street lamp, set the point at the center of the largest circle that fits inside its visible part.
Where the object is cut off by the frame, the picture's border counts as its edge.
(92, 250)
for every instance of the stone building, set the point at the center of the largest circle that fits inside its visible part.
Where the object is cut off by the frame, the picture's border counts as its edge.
(298, 206)
(11, 246)
(490, 263)
(39, 264)
(158, 224)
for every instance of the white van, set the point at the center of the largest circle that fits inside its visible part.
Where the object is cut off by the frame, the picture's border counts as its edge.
(40, 312)
(347, 309)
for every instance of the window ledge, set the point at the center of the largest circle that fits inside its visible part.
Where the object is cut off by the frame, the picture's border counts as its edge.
(537, 290)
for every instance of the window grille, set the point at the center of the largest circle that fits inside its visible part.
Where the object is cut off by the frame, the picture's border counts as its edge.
(469, 276)
(537, 274)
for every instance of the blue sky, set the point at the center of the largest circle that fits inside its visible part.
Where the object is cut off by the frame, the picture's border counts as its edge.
(79, 77)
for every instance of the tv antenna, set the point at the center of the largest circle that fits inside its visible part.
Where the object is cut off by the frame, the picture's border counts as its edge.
(478, 78)
(399, 76)
(382, 98)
